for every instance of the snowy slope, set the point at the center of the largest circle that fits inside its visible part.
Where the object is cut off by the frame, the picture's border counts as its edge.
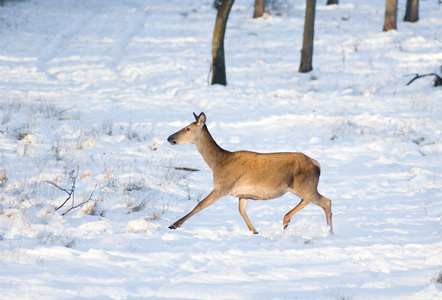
(92, 89)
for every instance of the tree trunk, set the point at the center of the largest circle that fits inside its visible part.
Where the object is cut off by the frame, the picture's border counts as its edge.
(307, 43)
(330, 2)
(412, 12)
(259, 8)
(390, 15)
(218, 64)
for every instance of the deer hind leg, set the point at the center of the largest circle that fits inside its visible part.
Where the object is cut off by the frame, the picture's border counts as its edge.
(325, 203)
(290, 214)
(242, 211)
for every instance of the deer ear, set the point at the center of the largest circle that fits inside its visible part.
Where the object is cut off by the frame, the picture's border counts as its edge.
(201, 120)
(196, 117)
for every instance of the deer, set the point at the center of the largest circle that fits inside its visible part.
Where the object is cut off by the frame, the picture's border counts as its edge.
(251, 175)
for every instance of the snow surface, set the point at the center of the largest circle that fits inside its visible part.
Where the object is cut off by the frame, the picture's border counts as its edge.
(92, 89)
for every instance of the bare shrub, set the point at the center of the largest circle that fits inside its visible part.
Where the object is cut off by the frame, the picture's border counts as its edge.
(438, 277)
(70, 192)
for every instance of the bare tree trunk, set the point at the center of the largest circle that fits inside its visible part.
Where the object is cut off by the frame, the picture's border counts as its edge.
(390, 15)
(330, 2)
(218, 64)
(259, 8)
(307, 43)
(412, 12)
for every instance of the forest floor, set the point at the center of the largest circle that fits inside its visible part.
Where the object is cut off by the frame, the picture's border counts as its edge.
(90, 91)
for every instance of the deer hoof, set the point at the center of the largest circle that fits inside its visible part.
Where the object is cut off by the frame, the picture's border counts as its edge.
(172, 227)
(285, 226)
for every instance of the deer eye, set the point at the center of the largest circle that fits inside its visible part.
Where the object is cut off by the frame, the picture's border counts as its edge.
(187, 129)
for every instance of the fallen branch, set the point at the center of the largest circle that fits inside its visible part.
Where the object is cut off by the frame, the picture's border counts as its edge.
(65, 110)
(437, 79)
(186, 169)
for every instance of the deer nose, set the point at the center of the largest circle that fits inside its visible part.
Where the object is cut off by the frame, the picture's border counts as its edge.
(171, 140)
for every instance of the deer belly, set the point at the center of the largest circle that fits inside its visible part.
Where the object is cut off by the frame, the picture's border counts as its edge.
(258, 193)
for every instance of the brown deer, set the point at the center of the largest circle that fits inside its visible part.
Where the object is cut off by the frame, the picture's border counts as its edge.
(250, 175)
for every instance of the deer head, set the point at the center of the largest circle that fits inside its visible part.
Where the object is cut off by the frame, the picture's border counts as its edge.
(190, 133)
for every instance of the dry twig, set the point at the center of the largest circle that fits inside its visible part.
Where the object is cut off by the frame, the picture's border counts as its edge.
(437, 79)
(71, 192)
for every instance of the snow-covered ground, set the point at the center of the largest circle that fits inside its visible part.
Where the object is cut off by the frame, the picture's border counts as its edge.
(90, 90)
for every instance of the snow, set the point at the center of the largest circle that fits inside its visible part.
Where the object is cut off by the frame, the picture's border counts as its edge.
(92, 89)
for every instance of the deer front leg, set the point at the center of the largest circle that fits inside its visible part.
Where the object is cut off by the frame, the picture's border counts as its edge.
(242, 211)
(210, 199)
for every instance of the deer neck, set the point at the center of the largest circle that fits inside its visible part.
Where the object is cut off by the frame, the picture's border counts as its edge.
(209, 149)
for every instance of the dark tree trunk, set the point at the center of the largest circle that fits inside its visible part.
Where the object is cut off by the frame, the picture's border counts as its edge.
(307, 43)
(412, 12)
(218, 64)
(259, 8)
(390, 15)
(330, 2)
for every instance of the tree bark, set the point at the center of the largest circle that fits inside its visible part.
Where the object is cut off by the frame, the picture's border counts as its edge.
(218, 63)
(330, 2)
(259, 8)
(412, 12)
(390, 15)
(307, 43)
